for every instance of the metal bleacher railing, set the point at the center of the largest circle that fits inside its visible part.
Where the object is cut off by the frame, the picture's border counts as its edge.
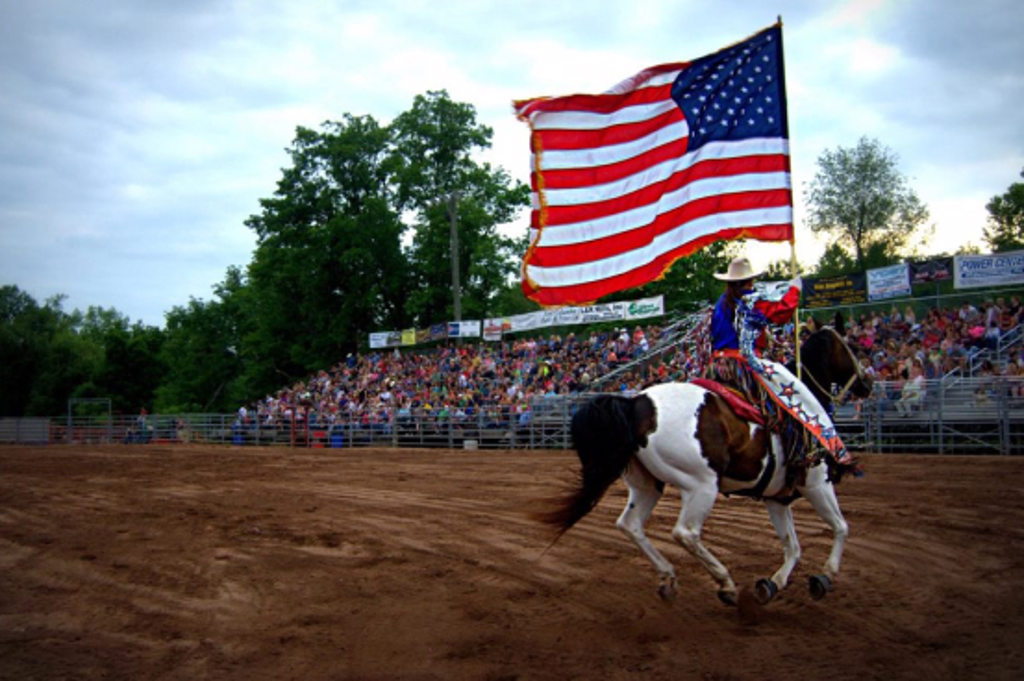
(682, 333)
(956, 414)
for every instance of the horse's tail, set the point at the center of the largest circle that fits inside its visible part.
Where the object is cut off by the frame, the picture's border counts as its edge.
(605, 434)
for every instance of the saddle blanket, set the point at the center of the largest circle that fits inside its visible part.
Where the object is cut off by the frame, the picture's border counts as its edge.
(740, 406)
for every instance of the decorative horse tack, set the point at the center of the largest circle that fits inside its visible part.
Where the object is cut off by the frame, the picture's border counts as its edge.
(689, 437)
(743, 409)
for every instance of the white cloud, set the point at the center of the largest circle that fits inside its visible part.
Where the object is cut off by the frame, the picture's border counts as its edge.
(869, 58)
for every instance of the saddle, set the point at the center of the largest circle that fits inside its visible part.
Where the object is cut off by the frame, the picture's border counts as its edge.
(745, 410)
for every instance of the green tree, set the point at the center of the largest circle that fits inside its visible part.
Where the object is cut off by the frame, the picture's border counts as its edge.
(834, 261)
(130, 369)
(203, 352)
(39, 363)
(1005, 230)
(433, 147)
(328, 266)
(781, 269)
(46, 357)
(71, 363)
(509, 300)
(20, 352)
(859, 197)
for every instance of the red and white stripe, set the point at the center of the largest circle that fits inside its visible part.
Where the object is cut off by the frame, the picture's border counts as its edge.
(618, 197)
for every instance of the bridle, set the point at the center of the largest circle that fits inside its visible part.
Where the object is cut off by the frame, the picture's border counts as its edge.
(857, 375)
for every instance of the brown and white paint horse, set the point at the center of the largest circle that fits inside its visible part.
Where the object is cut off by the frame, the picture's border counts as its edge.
(689, 437)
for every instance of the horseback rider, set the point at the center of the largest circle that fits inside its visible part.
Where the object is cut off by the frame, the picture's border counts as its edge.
(739, 281)
(738, 339)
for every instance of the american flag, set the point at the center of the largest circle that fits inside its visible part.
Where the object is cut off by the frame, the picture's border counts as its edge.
(675, 158)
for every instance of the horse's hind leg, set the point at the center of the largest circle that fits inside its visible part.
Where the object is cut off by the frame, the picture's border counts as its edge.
(697, 504)
(644, 493)
(822, 496)
(782, 520)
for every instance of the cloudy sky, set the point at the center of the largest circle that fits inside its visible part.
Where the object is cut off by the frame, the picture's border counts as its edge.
(136, 136)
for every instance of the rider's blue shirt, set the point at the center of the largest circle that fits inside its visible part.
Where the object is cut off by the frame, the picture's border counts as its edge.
(724, 321)
(723, 332)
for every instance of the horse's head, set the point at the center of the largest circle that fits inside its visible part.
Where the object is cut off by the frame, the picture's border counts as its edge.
(827, 359)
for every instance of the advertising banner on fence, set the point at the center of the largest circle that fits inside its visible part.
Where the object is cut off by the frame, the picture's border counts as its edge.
(562, 316)
(997, 269)
(524, 322)
(646, 307)
(847, 289)
(492, 328)
(936, 269)
(386, 339)
(605, 312)
(464, 329)
(889, 282)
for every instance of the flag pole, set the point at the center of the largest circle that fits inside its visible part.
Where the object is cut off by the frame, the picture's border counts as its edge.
(792, 238)
(796, 312)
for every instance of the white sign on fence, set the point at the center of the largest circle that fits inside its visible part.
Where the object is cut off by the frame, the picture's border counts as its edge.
(889, 282)
(996, 269)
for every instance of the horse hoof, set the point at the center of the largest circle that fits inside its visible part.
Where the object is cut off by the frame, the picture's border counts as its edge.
(667, 592)
(820, 585)
(765, 590)
(727, 597)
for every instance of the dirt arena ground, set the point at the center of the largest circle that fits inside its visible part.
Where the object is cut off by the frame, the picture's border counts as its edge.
(151, 562)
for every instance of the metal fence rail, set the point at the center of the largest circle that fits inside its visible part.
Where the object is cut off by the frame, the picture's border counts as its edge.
(969, 415)
(544, 426)
(961, 415)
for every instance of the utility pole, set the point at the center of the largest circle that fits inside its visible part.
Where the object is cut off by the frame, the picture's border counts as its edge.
(453, 216)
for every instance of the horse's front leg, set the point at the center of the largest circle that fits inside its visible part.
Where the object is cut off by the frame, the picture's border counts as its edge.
(822, 497)
(644, 493)
(782, 520)
(697, 504)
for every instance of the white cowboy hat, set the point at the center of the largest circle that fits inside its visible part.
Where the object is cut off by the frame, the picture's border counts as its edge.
(739, 270)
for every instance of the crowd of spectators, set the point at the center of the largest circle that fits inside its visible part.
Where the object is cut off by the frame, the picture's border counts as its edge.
(904, 350)
(942, 340)
(499, 383)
